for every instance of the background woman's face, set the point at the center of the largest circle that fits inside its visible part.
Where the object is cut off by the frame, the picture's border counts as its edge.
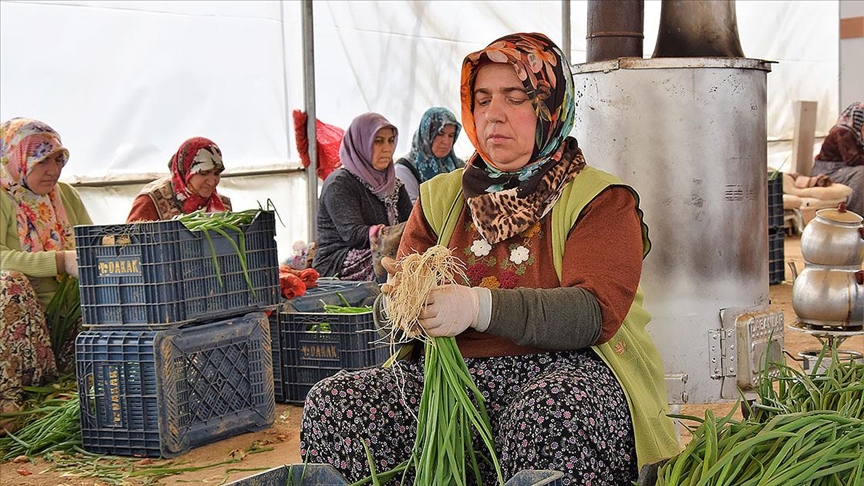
(443, 142)
(382, 148)
(504, 117)
(204, 183)
(42, 177)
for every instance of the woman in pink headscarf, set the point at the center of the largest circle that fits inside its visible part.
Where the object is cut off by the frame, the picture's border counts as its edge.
(37, 213)
(359, 199)
(196, 169)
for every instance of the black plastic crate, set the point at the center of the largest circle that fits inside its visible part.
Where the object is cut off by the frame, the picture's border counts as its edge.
(775, 201)
(776, 255)
(159, 274)
(160, 393)
(314, 346)
(333, 291)
(325, 474)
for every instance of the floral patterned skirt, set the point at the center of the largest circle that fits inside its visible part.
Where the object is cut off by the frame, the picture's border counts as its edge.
(357, 265)
(559, 411)
(26, 357)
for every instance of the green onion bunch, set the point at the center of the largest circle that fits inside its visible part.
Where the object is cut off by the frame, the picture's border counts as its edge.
(840, 388)
(452, 409)
(63, 314)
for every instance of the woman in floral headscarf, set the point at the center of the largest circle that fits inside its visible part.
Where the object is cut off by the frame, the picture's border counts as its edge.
(37, 213)
(841, 158)
(431, 150)
(550, 321)
(196, 169)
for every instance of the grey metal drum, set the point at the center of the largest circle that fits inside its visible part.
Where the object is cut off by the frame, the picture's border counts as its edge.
(689, 135)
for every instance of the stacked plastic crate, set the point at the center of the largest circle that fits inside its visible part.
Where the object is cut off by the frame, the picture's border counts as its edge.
(314, 344)
(176, 349)
(776, 228)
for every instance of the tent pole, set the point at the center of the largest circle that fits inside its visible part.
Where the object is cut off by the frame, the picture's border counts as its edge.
(565, 29)
(309, 100)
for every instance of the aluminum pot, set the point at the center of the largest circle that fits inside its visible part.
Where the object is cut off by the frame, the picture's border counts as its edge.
(834, 237)
(829, 296)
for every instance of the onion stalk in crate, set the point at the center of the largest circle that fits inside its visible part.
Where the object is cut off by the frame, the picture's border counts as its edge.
(220, 222)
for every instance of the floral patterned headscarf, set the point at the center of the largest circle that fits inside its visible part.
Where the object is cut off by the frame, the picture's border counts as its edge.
(492, 194)
(432, 124)
(852, 119)
(195, 155)
(42, 221)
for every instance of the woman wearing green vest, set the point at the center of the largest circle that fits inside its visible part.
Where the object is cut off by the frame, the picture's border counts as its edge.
(550, 324)
(37, 246)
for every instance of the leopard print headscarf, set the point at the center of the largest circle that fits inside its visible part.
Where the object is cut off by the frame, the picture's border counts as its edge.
(503, 204)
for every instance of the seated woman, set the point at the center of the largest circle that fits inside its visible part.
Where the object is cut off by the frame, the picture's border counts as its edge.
(359, 199)
(37, 245)
(431, 150)
(550, 323)
(841, 157)
(196, 168)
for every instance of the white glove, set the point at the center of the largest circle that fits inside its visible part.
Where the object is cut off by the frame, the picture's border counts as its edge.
(70, 263)
(450, 309)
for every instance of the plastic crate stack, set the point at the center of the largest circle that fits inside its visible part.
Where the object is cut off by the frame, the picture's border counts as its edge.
(176, 351)
(313, 344)
(776, 229)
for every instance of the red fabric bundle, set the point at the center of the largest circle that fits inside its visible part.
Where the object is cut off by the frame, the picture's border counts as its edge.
(294, 283)
(329, 138)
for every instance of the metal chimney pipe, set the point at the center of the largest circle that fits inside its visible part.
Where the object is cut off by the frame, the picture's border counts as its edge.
(615, 29)
(690, 28)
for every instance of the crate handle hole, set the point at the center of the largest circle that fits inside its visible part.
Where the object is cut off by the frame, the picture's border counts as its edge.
(90, 400)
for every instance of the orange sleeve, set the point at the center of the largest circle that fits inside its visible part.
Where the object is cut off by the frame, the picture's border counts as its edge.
(418, 235)
(143, 209)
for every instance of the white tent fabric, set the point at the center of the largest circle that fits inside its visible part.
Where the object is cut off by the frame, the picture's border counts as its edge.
(125, 82)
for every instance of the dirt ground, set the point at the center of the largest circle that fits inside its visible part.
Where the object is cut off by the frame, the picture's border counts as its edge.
(283, 439)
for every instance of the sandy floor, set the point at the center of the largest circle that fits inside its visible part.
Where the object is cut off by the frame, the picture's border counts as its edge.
(283, 436)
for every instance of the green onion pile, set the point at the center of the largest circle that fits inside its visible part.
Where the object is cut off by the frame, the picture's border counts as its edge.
(58, 429)
(804, 429)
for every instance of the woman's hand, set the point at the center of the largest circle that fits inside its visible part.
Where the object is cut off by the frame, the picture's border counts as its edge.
(373, 231)
(450, 310)
(67, 262)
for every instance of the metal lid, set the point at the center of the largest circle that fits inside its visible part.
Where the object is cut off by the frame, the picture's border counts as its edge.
(840, 215)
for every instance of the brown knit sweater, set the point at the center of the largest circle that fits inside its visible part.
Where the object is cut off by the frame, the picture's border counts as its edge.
(603, 255)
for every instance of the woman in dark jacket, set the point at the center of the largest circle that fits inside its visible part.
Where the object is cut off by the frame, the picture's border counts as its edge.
(842, 155)
(359, 199)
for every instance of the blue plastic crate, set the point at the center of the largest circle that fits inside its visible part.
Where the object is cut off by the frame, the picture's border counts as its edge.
(308, 355)
(325, 474)
(775, 201)
(776, 255)
(160, 393)
(159, 274)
